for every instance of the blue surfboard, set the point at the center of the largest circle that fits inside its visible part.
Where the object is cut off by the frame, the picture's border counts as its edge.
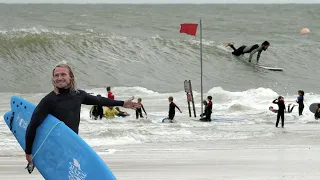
(58, 152)
(227, 118)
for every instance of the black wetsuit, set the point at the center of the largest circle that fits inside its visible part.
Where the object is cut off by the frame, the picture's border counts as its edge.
(172, 110)
(206, 116)
(139, 112)
(301, 105)
(97, 111)
(65, 106)
(281, 110)
(248, 49)
(317, 114)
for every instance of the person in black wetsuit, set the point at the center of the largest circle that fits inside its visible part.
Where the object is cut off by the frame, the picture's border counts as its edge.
(300, 100)
(172, 110)
(122, 113)
(96, 111)
(64, 103)
(317, 113)
(139, 111)
(250, 49)
(281, 109)
(206, 116)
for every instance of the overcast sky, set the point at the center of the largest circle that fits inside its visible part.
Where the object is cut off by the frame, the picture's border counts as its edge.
(160, 1)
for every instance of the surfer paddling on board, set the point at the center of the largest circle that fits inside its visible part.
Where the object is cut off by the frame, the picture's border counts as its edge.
(249, 49)
(64, 103)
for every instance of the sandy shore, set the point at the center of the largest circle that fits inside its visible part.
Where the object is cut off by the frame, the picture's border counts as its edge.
(282, 157)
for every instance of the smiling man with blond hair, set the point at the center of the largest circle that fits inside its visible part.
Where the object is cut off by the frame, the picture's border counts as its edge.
(64, 102)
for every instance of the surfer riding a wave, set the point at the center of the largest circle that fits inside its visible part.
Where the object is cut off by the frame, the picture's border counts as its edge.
(249, 49)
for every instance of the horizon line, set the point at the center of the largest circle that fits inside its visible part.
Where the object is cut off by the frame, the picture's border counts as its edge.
(167, 3)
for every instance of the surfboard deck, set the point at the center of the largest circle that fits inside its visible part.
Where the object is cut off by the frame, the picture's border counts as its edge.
(270, 68)
(245, 59)
(58, 152)
(313, 107)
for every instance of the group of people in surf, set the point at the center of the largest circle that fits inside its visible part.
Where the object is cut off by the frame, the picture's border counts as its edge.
(110, 112)
(280, 100)
(282, 108)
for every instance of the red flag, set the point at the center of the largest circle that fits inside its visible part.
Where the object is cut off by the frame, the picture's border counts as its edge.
(190, 29)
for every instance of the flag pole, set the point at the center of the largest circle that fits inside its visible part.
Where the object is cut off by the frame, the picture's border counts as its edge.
(201, 65)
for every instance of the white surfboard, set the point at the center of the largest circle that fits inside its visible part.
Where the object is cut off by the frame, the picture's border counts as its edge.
(270, 68)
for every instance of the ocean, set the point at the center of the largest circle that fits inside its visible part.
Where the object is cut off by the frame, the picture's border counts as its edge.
(138, 51)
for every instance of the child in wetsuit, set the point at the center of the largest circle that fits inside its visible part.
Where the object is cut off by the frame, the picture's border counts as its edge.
(139, 111)
(96, 111)
(122, 113)
(281, 109)
(300, 101)
(206, 116)
(172, 110)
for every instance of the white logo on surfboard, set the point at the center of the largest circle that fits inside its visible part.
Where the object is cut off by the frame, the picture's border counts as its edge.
(22, 123)
(75, 172)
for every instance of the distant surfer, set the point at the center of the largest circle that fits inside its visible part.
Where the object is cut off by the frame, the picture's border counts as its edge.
(64, 103)
(249, 49)
(281, 109)
(110, 94)
(96, 111)
(317, 113)
(206, 116)
(300, 100)
(139, 110)
(122, 113)
(289, 110)
(172, 109)
(110, 112)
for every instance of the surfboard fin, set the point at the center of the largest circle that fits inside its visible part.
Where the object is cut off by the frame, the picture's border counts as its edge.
(29, 168)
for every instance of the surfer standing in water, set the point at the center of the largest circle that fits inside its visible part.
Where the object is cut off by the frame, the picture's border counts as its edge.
(249, 49)
(172, 110)
(300, 100)
(64, 103)
(282, 108)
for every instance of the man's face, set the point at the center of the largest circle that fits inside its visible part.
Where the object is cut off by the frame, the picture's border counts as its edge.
(61, 77)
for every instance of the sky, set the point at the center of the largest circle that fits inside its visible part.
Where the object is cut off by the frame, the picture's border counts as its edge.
(160, 1)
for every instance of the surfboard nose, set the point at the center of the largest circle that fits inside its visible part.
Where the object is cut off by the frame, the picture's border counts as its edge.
(7, 117)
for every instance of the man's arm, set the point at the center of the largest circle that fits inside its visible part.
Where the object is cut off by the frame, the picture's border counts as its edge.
(100, 101)
(258, 56)
(39, 114)
(255, 51)
(143, 109)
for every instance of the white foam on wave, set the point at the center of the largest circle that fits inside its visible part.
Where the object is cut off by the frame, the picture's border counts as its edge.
(251, 104)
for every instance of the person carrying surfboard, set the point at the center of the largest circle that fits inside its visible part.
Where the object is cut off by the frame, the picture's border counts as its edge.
(64, 103)
(249, 49)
